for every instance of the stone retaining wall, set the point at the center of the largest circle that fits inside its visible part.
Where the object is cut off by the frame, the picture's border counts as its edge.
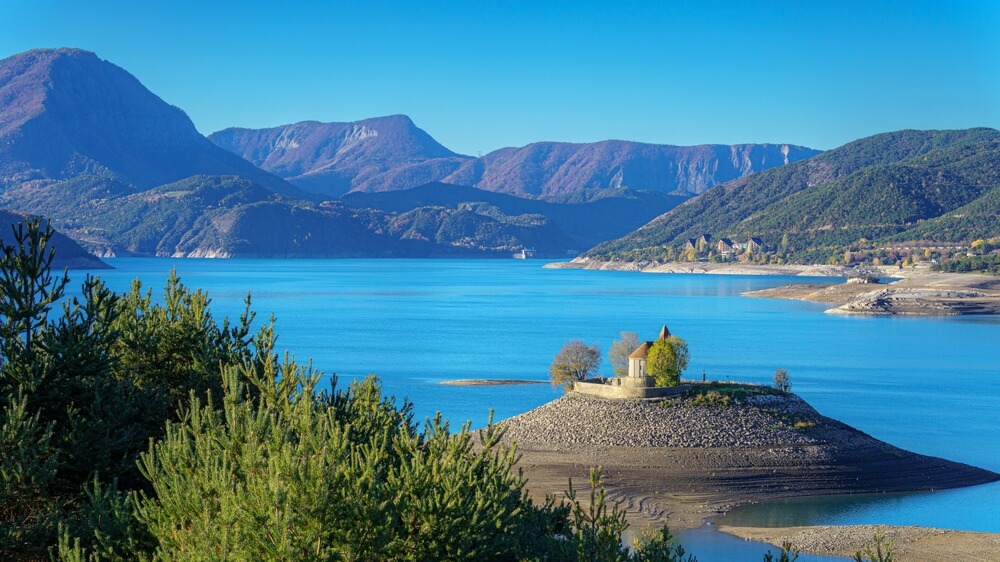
(626, 387)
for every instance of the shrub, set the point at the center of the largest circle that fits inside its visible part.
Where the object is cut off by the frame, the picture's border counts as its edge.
(711, 398)
(882, 550)
(666, 360)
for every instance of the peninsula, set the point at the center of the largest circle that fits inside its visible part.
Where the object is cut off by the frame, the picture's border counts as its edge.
(690, 458)
(912, 291)
(711, 447)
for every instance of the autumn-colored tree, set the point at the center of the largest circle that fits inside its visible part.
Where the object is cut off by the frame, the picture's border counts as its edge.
(574, 362)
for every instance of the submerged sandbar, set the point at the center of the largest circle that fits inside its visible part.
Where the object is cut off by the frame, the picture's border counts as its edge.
(488, 382)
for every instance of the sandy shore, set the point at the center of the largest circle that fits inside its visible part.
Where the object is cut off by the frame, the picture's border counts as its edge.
(914, 544)
(923, 292)
(709, 268)
(683, 464)
(911, 291)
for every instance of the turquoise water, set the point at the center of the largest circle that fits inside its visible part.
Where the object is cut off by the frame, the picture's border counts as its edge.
(925, 384)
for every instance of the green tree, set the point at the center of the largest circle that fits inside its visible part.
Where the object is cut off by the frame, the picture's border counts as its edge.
(597, 528)
(281, 474)
(621, 348)
(576, 361)
(71, 392)
(666, 360)
(28, 464)
(28, 289)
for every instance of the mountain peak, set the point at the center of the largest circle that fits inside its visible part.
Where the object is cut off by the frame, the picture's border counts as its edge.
(47, 55)
(24, 83)
(66, 112)
(334, 158)
(81, 105)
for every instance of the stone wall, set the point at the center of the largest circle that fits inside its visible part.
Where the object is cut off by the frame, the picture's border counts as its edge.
(627, 387)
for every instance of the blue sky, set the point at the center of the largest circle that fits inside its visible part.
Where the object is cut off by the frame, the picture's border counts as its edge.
(483, 75)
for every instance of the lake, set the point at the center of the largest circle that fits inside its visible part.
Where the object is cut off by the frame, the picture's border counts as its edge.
(929, 385)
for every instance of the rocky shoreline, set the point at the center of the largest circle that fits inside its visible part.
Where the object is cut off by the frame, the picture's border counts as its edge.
(710, 268)
(914, 291)
(676, 460)
(923, 293)
(909, 543)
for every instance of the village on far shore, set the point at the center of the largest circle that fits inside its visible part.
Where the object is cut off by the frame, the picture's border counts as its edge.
(758, 250)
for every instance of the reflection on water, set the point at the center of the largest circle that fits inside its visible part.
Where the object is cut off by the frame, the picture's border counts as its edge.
(956, 509)
(710, 545)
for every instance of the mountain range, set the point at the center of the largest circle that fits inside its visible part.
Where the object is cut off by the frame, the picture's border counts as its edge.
(117, 168)
(391, 153)
(124, 173)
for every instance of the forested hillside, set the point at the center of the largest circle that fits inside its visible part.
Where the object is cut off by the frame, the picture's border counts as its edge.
(932, 186)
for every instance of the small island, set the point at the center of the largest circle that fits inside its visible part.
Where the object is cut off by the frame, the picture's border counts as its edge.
(694, 450)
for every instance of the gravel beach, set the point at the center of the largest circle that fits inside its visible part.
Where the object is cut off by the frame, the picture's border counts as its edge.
(672, 460)
(915, 291)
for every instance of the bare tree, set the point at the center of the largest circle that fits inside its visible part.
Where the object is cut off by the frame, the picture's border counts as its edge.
(621, 348)
(574, 362)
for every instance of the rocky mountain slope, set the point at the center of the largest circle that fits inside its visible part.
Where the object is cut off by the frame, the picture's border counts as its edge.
(547, 169)
(333, 158)
(65, 114)
(84, 143)
(391, 153)
(230, 216)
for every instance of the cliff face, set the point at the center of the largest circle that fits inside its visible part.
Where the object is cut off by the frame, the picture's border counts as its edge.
(333, 158)
(391, 153)
(551, 169)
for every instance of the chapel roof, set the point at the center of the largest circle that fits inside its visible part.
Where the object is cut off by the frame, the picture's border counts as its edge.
(643, 349)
